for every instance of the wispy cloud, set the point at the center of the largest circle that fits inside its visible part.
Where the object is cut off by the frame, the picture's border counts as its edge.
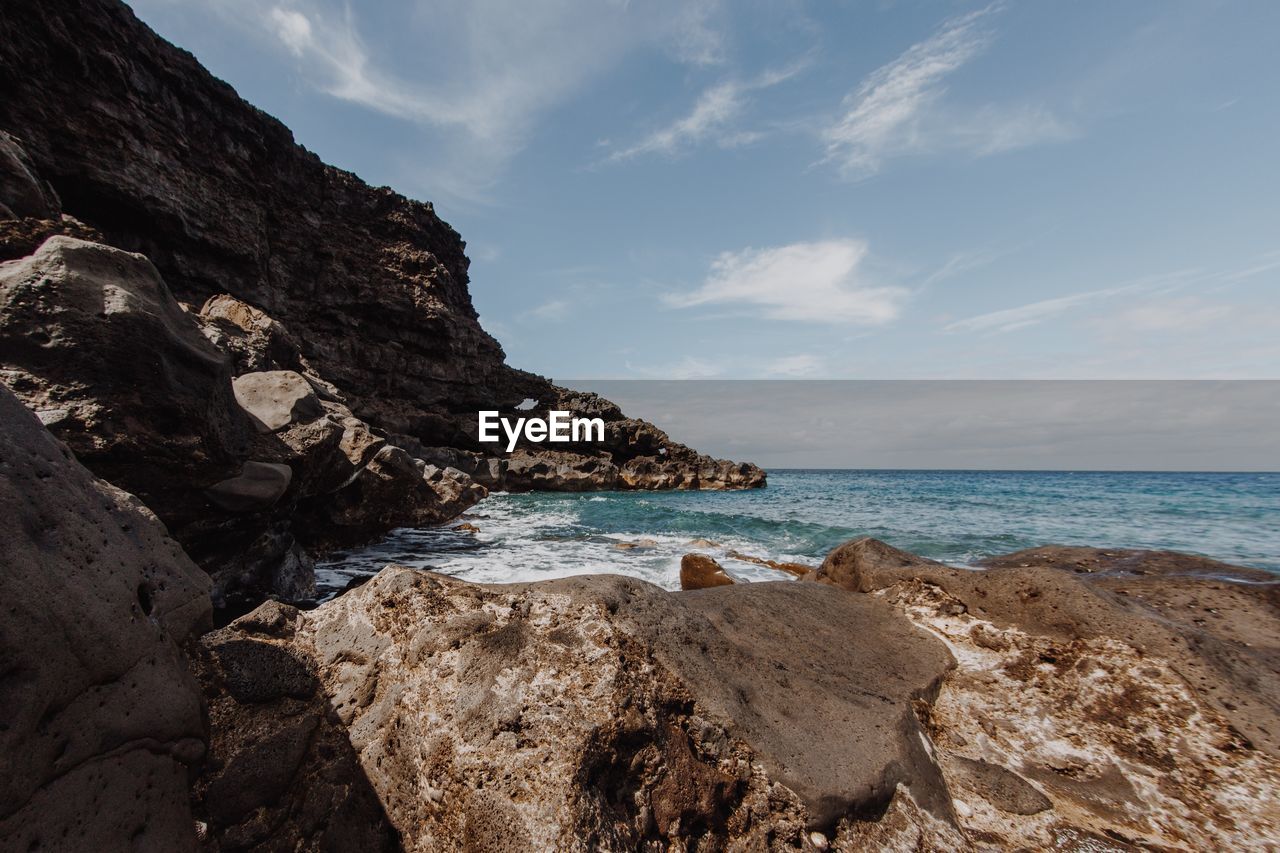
(1011, 319)
(485, 71)
(1153, 316)
(554, 310)
(821, 282)
(713, 118)
(892, 112)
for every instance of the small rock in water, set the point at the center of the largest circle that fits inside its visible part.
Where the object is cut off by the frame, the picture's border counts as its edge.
(698, 571)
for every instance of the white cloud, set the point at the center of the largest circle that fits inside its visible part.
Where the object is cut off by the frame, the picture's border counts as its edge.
(894, 111)
(993, 130)
(293, 29)
(819, 282)
(1179, 314)
(712, 117)
(478, 74)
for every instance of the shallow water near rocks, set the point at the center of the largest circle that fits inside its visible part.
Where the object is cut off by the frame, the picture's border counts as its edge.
(957, 517)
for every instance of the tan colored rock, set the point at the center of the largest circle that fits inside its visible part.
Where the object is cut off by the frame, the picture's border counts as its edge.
(1097, 696)
(100, 720)
(793, 569)
(604, 713)
(277, 398)
(698, 571)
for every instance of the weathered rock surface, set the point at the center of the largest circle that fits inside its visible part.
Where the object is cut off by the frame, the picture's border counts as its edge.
(92, 340)
(1137, 692)
(276, 399)
(99, 717)
(281, 773)
(557, 471)
(140, 142)
(698, 571)
(23, 194)
(604, 713)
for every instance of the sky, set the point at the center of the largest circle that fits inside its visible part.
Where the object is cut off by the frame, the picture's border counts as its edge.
(706, 189)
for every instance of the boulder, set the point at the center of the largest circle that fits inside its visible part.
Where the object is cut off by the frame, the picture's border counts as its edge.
(277, 398)
(101, 719)
(1130, 695)
(604, 713)
(257, 487)
(698, 571)
(558, 471)
(92, 334)
(393, 490)
(281, 773)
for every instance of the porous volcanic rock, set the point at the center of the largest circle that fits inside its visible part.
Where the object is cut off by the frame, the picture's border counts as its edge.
(99, 717)
(92, 340)
(558, 471)
(604, 713)
(281, 773)
(1137, 692)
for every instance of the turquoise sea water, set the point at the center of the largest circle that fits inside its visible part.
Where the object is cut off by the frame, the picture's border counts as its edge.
(953, 516)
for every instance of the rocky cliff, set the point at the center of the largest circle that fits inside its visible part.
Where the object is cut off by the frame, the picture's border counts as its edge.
(131, 136)
(274, 356)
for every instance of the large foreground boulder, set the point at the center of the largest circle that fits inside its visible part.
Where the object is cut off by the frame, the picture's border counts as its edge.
(604, 713)
(99, 717)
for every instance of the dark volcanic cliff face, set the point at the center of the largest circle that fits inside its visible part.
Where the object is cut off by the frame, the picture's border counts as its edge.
(142, 143)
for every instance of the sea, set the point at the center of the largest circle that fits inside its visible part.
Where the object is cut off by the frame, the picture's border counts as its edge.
(957, 517)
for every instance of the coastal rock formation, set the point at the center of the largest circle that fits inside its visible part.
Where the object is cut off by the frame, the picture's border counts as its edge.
(298, 265)
(92, 341)
(698, 571)
(99, 718)
(1137, 692)
(603, 712)
(242, 470)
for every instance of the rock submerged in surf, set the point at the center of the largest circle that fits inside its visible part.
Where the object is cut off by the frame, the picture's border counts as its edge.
(698, 571)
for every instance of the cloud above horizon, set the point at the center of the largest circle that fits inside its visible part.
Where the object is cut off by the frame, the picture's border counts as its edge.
(895, 110)
(489, 69)
(712, 118)
(817, 282)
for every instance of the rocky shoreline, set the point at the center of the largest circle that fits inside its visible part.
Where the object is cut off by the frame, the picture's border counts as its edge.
(222, 358)
(1063, 698)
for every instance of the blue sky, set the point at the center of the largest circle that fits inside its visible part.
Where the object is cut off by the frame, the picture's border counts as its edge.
(711, 189)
